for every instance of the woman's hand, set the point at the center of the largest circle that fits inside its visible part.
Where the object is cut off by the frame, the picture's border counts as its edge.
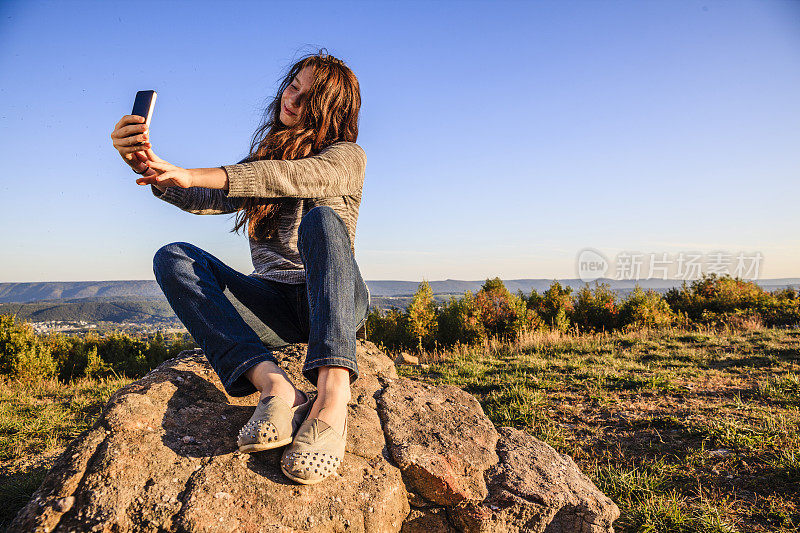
(165, 174)
(131, 138)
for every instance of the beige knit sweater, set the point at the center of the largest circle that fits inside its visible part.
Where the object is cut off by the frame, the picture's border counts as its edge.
(334, 177)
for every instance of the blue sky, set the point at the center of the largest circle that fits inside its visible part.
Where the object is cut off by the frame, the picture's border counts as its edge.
(502, 137)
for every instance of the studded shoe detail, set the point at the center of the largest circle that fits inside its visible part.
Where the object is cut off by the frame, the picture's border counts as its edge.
(316, 452)
(272, 425)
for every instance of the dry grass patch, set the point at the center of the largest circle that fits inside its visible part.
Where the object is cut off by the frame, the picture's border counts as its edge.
(685, 430)
(37, 420)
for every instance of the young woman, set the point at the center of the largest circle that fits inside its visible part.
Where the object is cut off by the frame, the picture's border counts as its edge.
(298, 192)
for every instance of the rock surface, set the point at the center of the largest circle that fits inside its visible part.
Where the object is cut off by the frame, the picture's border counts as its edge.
(534, 488)
(440, 438)
(163, 457)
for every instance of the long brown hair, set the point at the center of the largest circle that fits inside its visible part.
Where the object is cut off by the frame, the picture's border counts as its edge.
(329, 115)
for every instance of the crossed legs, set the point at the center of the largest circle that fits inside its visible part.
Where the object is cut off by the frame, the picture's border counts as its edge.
(202, 290)
(338, 303)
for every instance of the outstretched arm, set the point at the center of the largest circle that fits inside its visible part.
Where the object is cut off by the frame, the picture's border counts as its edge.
(338, 170)
(198, 200)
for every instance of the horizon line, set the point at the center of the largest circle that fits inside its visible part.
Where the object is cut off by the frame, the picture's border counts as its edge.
(447, 279)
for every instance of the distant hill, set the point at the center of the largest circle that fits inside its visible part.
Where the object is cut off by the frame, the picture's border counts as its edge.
(58, 290)
(149, 289)
(150, 311)
(141, 301)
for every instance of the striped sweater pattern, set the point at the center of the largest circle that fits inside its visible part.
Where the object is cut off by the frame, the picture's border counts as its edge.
(334, 177)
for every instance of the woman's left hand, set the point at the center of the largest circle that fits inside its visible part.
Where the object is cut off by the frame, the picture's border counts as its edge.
(167, 174)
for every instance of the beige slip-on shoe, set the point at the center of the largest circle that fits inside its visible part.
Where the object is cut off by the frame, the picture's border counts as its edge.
(315, 453)
(273, 424)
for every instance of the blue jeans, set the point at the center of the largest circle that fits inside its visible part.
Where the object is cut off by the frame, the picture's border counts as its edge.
(237, 318)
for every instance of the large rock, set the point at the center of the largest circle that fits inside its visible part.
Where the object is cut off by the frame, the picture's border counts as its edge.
(440, 438)
(534, 488)
(163, 457)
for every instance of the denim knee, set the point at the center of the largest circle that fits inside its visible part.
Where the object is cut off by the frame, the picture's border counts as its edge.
(320, 217)
(168, 254)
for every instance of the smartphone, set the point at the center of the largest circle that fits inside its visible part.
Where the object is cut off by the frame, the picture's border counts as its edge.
(143, 105)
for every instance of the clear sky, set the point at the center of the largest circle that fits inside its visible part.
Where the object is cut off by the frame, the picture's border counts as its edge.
(502, 137)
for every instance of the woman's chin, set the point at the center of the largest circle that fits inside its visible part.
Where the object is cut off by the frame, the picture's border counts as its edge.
(287, 121)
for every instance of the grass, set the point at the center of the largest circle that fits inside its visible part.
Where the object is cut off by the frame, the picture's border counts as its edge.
(37, 420)
(686, 431)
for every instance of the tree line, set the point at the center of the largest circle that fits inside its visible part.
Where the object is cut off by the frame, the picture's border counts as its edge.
(494, 312)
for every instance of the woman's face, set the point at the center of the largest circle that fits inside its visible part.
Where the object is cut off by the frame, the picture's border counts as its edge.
(294, 97)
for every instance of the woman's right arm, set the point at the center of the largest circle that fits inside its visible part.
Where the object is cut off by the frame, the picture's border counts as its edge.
(195, 200)
(131, 139)
(199, 200)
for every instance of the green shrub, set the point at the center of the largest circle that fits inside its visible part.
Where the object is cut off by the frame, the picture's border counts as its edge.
(421, 317)
(713, 296)
(502, 313)
(713, 300)
(78, 358)
(780, 308)
(596, 310)
(22, 355)
(645, 309)
(93, 356)
(388, 328)
(554, 307)
(125, 354)
(460, 321)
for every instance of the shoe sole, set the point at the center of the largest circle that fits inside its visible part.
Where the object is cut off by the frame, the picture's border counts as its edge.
(305, 481)
(249, 448)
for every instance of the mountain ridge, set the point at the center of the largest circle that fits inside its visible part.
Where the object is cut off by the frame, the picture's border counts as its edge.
(61, 291)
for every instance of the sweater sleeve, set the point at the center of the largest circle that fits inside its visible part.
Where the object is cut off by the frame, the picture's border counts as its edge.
(338, 170)
(199, 200)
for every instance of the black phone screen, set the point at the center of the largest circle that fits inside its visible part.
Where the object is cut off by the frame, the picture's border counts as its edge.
(143, 105)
